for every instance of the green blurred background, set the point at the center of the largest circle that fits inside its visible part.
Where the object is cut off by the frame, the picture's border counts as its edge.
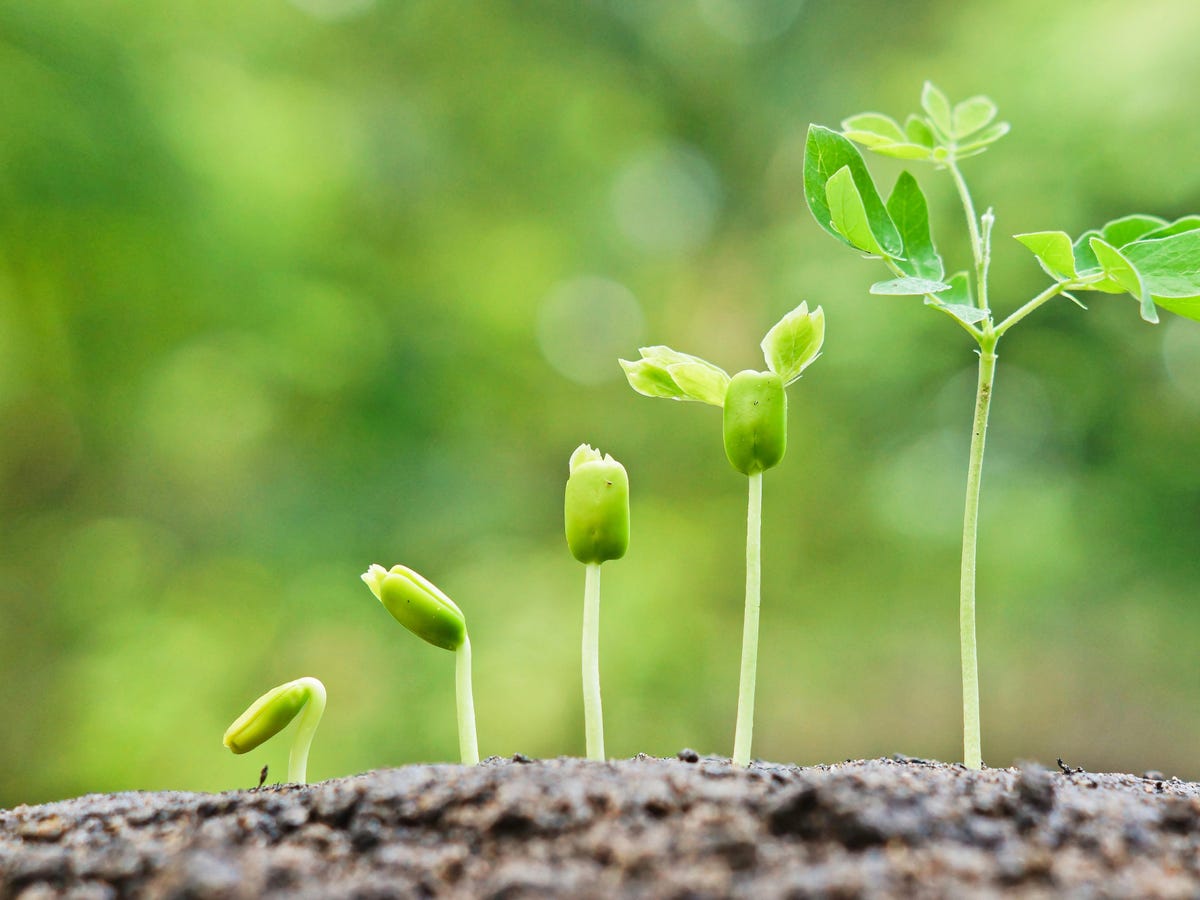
(288, 288)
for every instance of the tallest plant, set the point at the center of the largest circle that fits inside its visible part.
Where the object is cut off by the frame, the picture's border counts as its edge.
(1155, 261)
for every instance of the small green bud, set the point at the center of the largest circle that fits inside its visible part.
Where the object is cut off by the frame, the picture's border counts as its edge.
(755, 421)
(597, 507)
(418, 605)
(271, 713)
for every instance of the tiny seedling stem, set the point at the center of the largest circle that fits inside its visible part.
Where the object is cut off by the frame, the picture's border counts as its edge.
(468, 744)
(745, 714)
(592, 713)
(310, 718)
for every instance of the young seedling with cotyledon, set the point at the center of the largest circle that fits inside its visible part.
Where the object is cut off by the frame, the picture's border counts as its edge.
(1155, 261)
(421, 607)
(754, 408)
(596, 512)
(270, 714)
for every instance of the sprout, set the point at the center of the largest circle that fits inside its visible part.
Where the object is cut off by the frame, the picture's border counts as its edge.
(755, 429)
(1154, 261)
(597, 523)
(270, 714)
(421, 607)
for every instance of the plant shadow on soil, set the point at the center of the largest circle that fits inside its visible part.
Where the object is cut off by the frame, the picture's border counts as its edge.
(688, 827)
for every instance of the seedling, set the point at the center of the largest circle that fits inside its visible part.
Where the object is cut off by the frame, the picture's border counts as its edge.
(270, 714)
(418, 605)
(1155, 261)
(755, 430)
(597, 522)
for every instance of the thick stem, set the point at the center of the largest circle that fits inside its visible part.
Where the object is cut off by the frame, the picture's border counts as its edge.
(592, 713)
(468, 744)
(745, 712)
(972, 754)
(310, 718)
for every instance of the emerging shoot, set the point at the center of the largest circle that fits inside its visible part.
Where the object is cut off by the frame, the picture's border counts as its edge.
(754, 424)
(418, 605)
(270, 714)
(597, 523)
(1155, 261)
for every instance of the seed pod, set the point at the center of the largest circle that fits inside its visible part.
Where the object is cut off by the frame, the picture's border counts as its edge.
(268, 715)
(597, 507)
(418, 605)
(755, 421)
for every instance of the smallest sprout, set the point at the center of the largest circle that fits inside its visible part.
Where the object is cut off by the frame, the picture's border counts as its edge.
(271, 713)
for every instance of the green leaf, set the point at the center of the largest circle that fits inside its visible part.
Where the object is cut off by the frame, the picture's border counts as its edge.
(981, 141)
(870, 129)
(700, 380)
(825, 153)
(972, 114)
(1120, 232)
(908, 287)
(910, 213)
(1179, 226)
(663, 372)
(848, 214)
(934, 102)
(1120, 270)
(794, 342)
(1170, 266)
(1085, 259)
(903, 151)
(960, 291)
(918, 131)
(1188, 307)
(650, 379)
(968, 315)
(1053, 250)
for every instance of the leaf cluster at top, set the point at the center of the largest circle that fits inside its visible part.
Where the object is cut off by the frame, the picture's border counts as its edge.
(1155, 261)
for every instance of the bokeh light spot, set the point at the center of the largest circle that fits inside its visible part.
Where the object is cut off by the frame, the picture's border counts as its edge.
(666, 199)
(586, 323)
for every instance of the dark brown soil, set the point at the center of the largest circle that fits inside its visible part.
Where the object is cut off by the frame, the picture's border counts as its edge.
(689, 827)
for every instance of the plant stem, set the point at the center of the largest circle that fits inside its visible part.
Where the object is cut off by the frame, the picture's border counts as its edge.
(592, 713)
(745, 712)
(972, 754)
(310, 718)
(977, 248)
(468, 744)
(1048, 294)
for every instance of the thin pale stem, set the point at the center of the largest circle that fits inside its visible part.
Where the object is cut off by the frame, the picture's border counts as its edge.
(744, 733)
(972, 753)
(977, 248)
(592, 713)
(468, 744)
(1048, 294)
(310, 718)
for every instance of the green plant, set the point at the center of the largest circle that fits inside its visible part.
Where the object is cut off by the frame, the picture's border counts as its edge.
(270, 714)
(418, 605)
(1155, 261)
(755, 431)
(596, 513)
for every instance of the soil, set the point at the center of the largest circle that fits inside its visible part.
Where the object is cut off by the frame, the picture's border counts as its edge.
(689, 827)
